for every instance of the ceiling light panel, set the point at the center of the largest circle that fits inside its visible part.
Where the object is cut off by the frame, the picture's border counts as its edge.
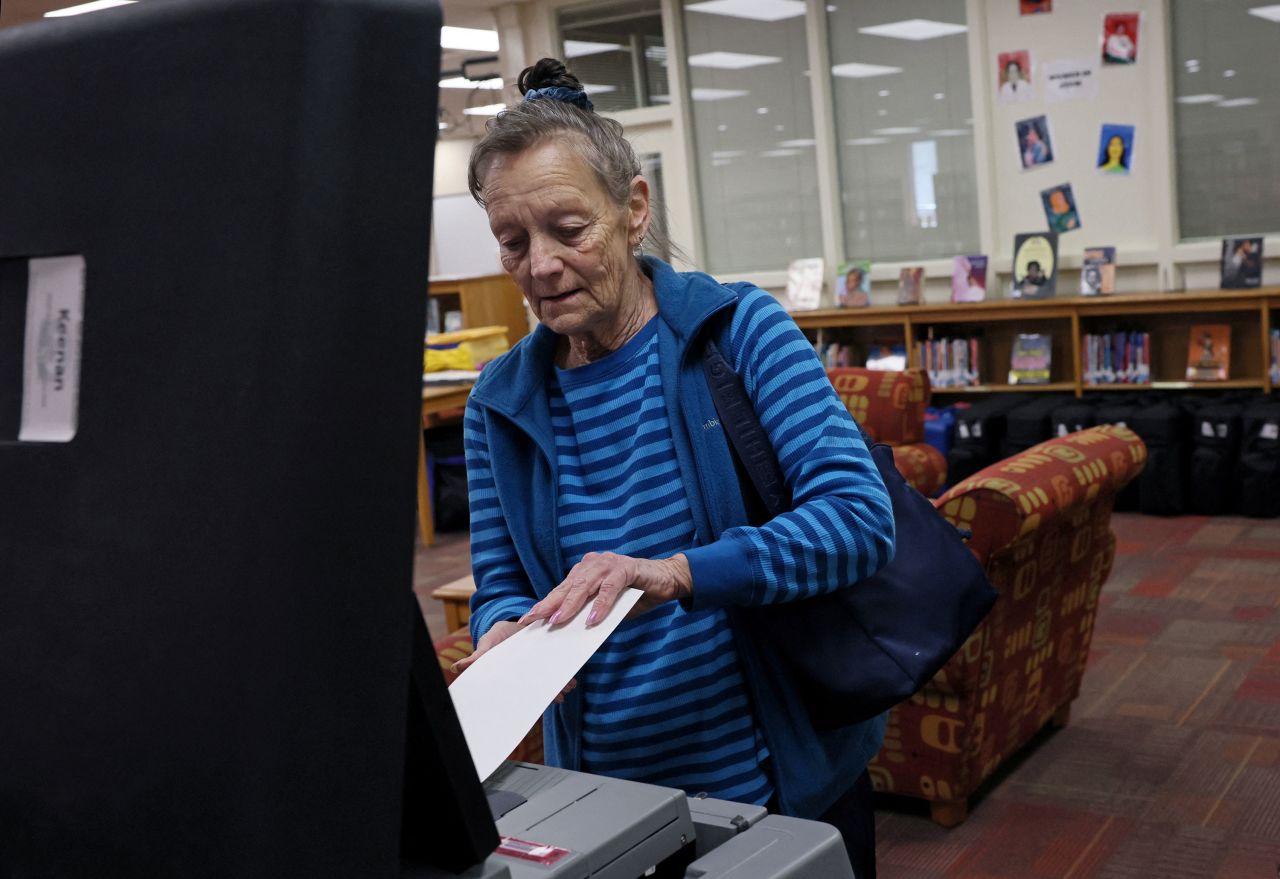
(461, 82)
(757, 10)
(468, 39)
(583, 48)
(1270, 13)
(731, 60)
(1199, 99)
(1238, 102)
(914, 29)
(486, 110)
(857, 70)
(87, 7)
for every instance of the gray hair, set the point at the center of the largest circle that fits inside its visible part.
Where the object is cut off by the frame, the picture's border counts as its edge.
(598, 141)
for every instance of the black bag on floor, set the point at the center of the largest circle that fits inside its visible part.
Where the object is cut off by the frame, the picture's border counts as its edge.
(1120, 410)
(1029, 424)
(1215, 448)
(1163, 426)
(979, 435)
(447, 473)
(1259, 463)
(1073, 417)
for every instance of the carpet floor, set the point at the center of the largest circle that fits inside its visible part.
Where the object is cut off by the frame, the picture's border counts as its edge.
(1170, 766)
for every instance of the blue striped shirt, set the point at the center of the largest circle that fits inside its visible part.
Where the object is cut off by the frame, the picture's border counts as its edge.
(664, 700)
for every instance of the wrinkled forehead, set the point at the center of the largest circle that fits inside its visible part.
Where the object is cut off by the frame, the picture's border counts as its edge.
(546, 177)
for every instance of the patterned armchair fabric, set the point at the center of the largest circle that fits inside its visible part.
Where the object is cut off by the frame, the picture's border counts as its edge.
(451, 648)
(1041, 527)
(890, 407)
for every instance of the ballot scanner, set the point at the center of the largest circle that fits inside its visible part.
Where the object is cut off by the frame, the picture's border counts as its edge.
(559, 824)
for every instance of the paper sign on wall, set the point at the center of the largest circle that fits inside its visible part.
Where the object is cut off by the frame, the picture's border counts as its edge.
(51, 353)
(1070, 78)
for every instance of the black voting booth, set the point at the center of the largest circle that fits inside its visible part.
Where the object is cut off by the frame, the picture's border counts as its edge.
(206, 619)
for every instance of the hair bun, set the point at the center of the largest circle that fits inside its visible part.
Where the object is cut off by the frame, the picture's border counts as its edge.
(548, 72)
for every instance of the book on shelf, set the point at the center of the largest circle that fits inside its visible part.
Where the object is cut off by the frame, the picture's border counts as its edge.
(835, 355)
(1275, 356)
(1241, 263)
(1035, 265)
(804, 284)
(969, 278)
(1209, 353)
(1098, 271)
(1122, 357)
(853, 284)
(910, 285)
(951, 362)
(1031, 359)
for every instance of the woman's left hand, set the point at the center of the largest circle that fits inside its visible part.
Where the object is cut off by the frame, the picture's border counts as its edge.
(600, 578)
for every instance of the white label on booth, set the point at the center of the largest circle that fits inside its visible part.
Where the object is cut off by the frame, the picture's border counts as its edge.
(51, 351)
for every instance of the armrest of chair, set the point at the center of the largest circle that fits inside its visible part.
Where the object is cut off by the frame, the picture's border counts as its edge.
(1021, 493)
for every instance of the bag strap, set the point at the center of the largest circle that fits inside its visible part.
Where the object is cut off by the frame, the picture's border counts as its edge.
(753, 452)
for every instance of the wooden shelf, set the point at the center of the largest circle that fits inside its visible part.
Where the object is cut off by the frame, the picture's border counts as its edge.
(1007, 389)
(493, 300)
(1168, 317)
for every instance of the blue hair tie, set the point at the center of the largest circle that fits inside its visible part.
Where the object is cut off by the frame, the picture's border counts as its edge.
(577, 97)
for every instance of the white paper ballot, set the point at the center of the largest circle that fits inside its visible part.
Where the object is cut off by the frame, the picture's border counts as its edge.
(501, 696)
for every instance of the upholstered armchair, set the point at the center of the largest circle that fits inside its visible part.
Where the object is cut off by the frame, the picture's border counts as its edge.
(890, 407)
(1041, 527)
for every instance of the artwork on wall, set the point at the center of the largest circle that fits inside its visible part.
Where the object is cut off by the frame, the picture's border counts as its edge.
(1013, 76)
(1035, 146)
(1034, 7)
(1115, 149)
(1120, 37)
(1060, 208)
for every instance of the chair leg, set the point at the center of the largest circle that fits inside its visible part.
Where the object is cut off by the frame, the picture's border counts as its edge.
(948, 813)
(1062, 716)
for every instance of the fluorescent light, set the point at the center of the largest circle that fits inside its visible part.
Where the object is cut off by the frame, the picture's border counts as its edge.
(950, 132)
(763, 111)
(914, 29)
(595, 89)
(884, 93)
(938, 96)
(1228, 73)
(857, 70)
(704, 94)
(582, 48)
(757, 10)
(486, 110)
(778, 154)
(801, 142)
(727, 154)
(1199, 99)
(1238, 102)
(866, 141)
(469, 39)
(1270, 13)
(900, 129)
(730, 60)
(87, 7)
(461, 82)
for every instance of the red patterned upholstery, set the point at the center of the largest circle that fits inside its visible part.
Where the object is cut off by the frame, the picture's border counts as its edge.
(1041, 524)
(451, 648)
(890, 407)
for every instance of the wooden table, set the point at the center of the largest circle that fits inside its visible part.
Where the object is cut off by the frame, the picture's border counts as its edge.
(456, 597)
(434, 400)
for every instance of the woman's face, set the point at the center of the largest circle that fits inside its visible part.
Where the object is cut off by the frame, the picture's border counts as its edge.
(1058, 202)
(1012, 72)
(561, 238)
(1115, 148)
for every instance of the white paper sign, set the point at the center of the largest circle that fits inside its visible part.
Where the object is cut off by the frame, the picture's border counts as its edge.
(1066, 80)
(501, 696)
(51, 352)
(804, 283)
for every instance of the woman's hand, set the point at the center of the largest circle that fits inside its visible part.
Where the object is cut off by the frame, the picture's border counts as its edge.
(500, 632)
(600, 578)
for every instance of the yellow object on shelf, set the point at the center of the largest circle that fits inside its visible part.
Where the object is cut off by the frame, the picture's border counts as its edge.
(464, 349)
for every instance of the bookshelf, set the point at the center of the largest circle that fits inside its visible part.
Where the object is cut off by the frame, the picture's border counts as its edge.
(1168, 317)
(491, 300)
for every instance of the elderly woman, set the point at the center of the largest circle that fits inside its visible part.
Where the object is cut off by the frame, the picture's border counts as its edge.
(596, 463)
